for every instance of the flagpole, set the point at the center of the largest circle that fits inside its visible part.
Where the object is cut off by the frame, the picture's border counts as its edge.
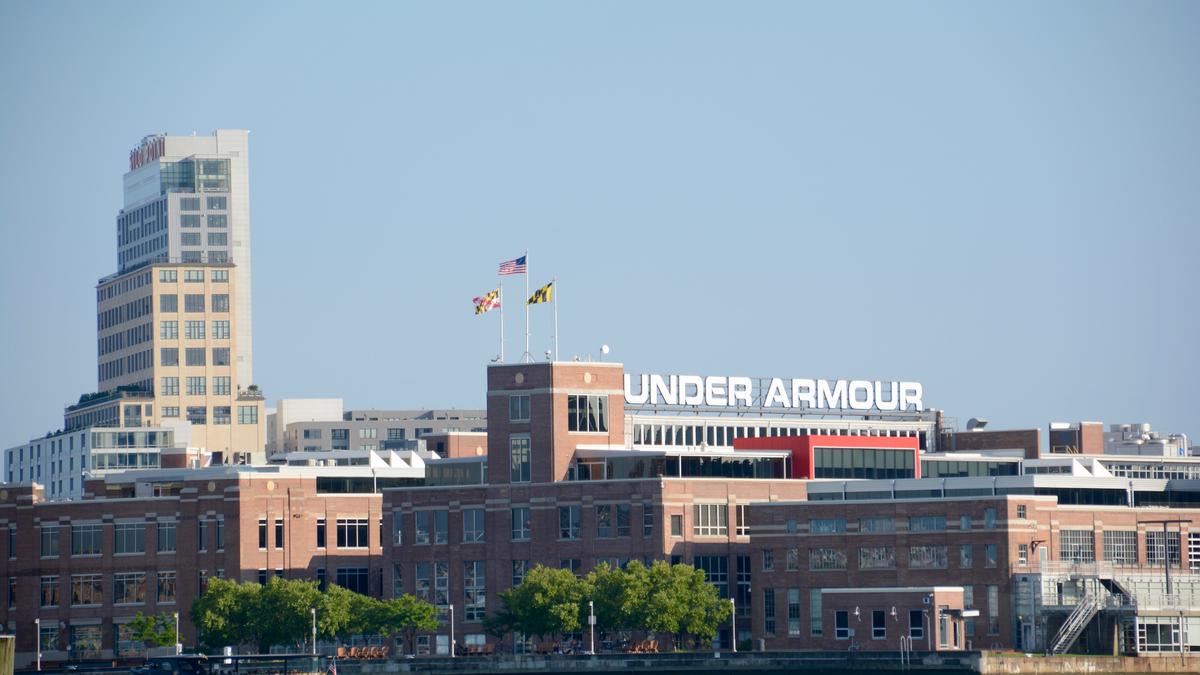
(527, 357)
(501, 299)
(554, 286)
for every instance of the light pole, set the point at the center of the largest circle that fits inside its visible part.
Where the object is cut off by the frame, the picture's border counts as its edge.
(37, 629)
(451, 631)
(314, 630)
(733, 616)
(178, 639)
(592, 624)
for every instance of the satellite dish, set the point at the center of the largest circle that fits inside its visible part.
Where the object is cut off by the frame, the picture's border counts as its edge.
(976, 424)
(604, 349)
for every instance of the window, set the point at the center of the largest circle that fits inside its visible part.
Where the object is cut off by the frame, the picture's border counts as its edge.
(49, 542)
(193, 330)
(247, 414)
(1154, 548)
(168, 356)
(352, 533)
(768, 560)
(195, 385)
(168, 302)
(827, 526)
(218, 220)
(197, 414)
(989, 518)
(993, 610)
(612, 520)
(518, 408)
(990, 555)
(568, 522)
(878, 625)
(1021, 511)
(220, 275)
(194, 302)
(1120, 547)
(421, 527)
(441, 527)
(473, 524)
(189, 204)
(1076, 546)
(877, 558)
(716, 571)
(129, 588)
(166, 587)
(85, 539)
(927, 557)
(202, 535)
(826, 559)
(964, 523)
(587, 413)
(353, 579)
(262, 534)
(320, 533)
(841, 624)
(710, 520)
(220, 356)
(927, 524)
(167, 275)
(916, 624)
(217, 238)
(792, 559)
(521, 526)
(368, 433)
(769, 610)
(220, 538)
(220, 329)
(519, 569)
(170, 411)
(793, 611)
(518, 459)
(190, 238)
(86, 590)
(278, 533)
(193, 276)
(966, 555)
(168, 330)
(816, 625)
(647, 519)
(741, 520)
(48, 592)
(1022, 554)
(676, 525)
(170, 386)
(877, 525)
(194, 356)
(221, 385)
(129, 538)
(474, 590)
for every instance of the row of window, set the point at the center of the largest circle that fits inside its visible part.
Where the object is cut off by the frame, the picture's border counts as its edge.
(213, 203)
(221, 414)
(351, 533)
(724, 435)
(197, 356)
(612, 520)
(1121, 547)
(192, 276)
(128, 588)
(193, 303)
(196, 386)
(128, 538)
(887, 524)
(881, 557)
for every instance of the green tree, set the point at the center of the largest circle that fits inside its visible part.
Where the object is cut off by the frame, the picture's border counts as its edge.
(406, 616)
(619, 595)
(548, 602)
(222, 613)
(681, 602)
(156, 630)
(282, 615)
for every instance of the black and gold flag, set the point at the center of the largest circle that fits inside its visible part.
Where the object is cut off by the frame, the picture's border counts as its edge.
(543, 294)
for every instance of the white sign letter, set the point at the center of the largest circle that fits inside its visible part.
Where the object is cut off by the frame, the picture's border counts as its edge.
(664, 390)
(892, 401)
(714, 391)
(643, 394)
(691, 390)
(804, 391)
(910, 394)
(776, 394)
(831, 399)
(867, 401)
(739, 391)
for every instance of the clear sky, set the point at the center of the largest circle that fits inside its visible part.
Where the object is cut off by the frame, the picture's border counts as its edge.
(1000, 200)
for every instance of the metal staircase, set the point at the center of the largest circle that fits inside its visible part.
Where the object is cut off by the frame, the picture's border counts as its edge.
(1087, 608)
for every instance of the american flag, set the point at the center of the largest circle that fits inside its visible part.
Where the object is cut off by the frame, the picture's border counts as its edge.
(516, 266)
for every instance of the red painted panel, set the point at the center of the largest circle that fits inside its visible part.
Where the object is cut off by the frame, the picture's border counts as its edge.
(801, 447)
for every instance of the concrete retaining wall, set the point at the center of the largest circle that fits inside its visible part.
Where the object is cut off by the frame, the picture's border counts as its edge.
(1016, 665)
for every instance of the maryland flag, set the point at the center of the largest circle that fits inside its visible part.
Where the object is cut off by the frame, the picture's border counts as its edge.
(543, 294)
(489, 300)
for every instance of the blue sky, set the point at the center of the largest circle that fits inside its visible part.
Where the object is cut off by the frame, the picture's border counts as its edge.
(999, 200)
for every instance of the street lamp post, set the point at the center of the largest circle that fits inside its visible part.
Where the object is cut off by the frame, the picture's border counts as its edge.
(37, 629)
(451, 631)
(733, 616)
(592, 624)
(178, 639)
(314, 630)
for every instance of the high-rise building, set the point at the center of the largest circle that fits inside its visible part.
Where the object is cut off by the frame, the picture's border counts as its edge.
(187, 199)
